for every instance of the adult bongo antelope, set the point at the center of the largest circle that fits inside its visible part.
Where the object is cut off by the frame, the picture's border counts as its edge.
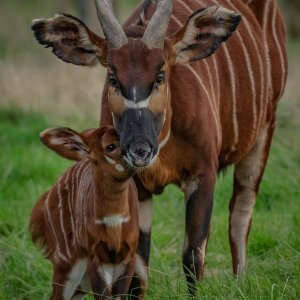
(87, 223)
(183, 114)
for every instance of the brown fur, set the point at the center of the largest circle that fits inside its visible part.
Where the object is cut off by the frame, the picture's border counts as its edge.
(111, 193)
(219, 109)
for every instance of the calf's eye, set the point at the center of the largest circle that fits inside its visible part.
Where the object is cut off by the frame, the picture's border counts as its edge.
(110, 148)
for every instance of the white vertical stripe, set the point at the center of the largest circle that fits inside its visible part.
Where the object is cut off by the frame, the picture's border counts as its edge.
(281, 59)
(61, 217)
(251, 77)
(215, 110)
(214, 113)
(233, 91)
(71, 203)
(81, 197)
(265, 32)
(217, 83)
(260, 64)
(77, 199)
(252, 82)
(69, 191)
(176, 20)
(57, 248)
(186, 6)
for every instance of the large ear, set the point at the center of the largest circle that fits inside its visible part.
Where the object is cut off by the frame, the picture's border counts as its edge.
(204, 32)
(66, 142)
(70, 40)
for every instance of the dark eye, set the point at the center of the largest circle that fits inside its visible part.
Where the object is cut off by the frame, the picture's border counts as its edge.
(110, 148)
(160, 77)
(112, 79)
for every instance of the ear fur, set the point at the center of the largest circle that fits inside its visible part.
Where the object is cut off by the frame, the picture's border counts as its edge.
(66, 142)
(203, 33)
(70, 40)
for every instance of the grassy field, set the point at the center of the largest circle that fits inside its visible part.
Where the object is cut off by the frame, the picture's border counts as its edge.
(28, 169)
(38, 91)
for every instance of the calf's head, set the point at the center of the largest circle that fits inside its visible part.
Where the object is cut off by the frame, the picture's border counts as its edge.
(138, 65)
(101, 146)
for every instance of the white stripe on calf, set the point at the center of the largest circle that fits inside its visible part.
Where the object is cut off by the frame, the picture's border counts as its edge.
(61, 218)
(75, 278)
(145, 215)
(58, 252)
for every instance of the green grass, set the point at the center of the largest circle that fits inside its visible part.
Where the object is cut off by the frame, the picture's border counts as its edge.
(28, 169)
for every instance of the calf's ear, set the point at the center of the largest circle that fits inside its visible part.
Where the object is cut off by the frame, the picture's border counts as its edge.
(204, 32)
(70, 39)
(66, 142)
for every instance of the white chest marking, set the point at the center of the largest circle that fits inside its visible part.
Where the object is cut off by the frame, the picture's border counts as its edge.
(113, 220)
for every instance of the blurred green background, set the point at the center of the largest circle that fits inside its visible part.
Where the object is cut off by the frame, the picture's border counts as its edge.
(37, 91)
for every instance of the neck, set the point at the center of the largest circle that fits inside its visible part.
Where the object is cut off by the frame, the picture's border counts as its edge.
(111, 195)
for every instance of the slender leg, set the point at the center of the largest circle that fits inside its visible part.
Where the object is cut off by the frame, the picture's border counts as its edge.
(140, 278)
(199, 204)
(247, 177)
(66, 279)
(99, 285)
(121, 285)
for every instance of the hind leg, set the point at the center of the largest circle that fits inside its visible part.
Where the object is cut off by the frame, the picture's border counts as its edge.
(247, 177)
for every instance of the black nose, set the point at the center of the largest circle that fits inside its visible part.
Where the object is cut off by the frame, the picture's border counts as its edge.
(140, 154)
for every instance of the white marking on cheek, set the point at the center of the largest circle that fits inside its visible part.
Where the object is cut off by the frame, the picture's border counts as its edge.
(111, 161)
(75, 277)
(119, 168)
(145, 215)
(113, 220)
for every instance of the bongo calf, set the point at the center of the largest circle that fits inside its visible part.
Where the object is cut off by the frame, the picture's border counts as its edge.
(87, 223)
